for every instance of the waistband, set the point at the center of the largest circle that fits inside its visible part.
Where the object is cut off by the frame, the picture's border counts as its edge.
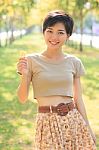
(61, 109)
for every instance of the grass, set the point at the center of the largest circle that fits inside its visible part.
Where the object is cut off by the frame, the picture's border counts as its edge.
(17, 121)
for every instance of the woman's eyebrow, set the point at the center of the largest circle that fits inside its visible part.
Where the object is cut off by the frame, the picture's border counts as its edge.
(50, 28)
(61, 30)
(58, 30)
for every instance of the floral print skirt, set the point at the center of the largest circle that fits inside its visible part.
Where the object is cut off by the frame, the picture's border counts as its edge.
(69, 132)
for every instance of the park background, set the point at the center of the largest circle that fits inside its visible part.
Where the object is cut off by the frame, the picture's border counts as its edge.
(21, 33)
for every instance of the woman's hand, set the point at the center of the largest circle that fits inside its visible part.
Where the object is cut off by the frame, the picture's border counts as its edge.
(22, 66)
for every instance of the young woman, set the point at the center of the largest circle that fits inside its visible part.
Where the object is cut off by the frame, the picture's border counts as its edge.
(61, 120)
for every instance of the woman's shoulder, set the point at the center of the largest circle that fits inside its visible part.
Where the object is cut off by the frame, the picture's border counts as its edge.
(32, 55)
(73, 58)
(32, 58)
(77, 65)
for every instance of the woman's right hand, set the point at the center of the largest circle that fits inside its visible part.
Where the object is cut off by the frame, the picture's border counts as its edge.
(22, 66)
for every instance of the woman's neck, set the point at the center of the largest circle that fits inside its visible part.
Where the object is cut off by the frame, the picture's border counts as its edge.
(53, 54)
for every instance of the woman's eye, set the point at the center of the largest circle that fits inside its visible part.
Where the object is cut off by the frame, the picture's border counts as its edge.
(60, 33)
(49, 31)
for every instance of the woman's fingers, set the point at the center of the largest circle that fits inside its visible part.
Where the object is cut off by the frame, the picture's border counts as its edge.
(22, 58)
(22, 65)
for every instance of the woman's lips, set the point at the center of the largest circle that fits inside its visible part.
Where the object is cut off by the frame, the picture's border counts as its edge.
(54, 43)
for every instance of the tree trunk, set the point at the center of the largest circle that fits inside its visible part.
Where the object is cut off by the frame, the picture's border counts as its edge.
(67, 4)
(6, 29)
(91, 44)
(81, 30)
(11, 27)
(0, 43)
(0, 39)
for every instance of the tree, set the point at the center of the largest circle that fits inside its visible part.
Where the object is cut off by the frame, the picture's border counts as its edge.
(16, 13)
(43, 7)
(78, 11)
(82, 11)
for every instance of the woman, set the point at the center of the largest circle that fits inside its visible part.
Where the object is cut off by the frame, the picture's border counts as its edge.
(61, 120)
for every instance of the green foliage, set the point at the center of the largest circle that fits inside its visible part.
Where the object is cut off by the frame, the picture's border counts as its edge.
(16, 12)
(80, 3)
(25, 13)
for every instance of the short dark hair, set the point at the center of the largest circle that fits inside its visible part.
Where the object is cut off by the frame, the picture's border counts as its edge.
(57, 16)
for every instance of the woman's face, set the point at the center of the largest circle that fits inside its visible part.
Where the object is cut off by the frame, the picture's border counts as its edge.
(55, 36)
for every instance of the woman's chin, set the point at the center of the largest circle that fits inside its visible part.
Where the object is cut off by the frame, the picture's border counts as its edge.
(53, 46)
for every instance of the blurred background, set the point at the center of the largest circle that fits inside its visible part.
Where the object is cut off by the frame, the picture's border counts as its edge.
(21, 32)
(20, 17)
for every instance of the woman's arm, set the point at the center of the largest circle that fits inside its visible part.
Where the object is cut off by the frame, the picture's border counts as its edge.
(78, 98)
(80, 104)
(23, 89)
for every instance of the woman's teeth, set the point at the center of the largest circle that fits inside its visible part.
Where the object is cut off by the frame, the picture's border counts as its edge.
(54, 43)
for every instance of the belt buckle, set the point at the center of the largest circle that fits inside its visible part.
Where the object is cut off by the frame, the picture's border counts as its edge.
(61, 109)
(51, 109)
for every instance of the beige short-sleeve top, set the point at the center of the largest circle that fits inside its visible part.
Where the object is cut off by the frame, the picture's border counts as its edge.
(54, 78)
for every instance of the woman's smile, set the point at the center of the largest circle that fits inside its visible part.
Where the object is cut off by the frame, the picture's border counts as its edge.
(53, 43)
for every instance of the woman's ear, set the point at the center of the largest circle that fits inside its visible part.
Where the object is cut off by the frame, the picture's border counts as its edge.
(68, 35)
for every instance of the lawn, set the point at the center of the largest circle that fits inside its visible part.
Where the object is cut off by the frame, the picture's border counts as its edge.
(17, 121)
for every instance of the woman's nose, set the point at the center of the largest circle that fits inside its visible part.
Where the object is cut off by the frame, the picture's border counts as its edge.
(54, 36)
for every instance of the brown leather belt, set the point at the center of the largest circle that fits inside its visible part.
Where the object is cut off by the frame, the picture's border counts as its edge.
(61, 109)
